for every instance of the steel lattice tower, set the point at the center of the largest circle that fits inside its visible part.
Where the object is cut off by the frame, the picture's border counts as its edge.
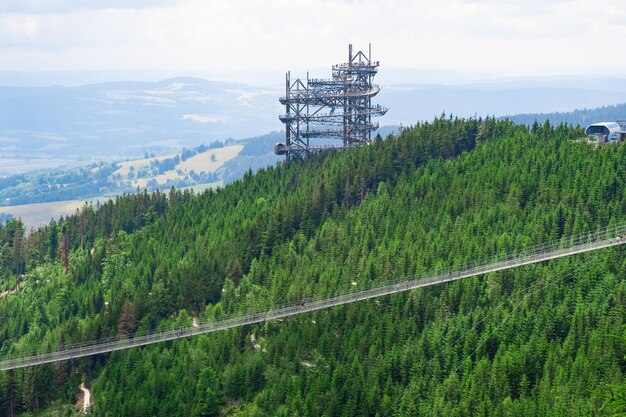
(336, 108)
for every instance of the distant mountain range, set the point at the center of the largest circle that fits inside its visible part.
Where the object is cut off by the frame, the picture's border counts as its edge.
(129, 118)
(409, 104)
(52, 124)
(582, 117)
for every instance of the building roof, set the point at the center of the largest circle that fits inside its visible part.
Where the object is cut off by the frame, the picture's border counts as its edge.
(609, 125)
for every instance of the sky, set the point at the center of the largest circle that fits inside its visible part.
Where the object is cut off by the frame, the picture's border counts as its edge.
(496, 38)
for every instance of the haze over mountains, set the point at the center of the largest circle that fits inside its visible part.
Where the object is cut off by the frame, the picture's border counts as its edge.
(500, 97)
(125, 118)
(128, 118)
(582, 117)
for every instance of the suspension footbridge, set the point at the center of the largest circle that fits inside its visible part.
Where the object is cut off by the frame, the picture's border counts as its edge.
(599, 239)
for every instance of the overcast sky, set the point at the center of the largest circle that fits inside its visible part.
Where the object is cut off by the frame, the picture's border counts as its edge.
(501, 38)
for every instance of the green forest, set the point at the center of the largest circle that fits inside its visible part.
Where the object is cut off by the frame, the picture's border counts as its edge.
(540, 340)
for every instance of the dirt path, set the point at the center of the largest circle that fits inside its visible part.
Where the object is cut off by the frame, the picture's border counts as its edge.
(86, 398)
(13, 291)
(9, 292)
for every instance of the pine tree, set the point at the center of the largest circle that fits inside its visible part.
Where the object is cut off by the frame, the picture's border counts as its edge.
(64, 250)
(126, 323)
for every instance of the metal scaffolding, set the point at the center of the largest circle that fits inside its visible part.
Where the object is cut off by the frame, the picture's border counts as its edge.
(338, 108)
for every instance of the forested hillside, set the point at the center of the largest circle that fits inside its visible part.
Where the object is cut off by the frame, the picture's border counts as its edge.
(537, 340)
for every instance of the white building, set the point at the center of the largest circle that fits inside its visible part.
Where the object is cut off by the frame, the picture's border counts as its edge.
(605, 132)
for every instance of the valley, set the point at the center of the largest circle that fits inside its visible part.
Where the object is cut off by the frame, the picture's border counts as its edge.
(41, 195)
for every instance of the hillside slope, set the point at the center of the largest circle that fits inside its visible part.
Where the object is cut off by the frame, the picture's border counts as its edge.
(532, 341)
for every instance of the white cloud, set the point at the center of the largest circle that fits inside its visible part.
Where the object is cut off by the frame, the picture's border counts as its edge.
(204, 118)
(500, 37)
(63, 6)
(18, 29)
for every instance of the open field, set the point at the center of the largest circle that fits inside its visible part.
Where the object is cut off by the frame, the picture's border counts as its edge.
(38, 214)
(137, 164)
(202, 162)
(199, 188)
(160, 179)
(198, 163)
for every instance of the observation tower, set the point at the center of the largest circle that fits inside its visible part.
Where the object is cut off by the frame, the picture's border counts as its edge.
(338, 109)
